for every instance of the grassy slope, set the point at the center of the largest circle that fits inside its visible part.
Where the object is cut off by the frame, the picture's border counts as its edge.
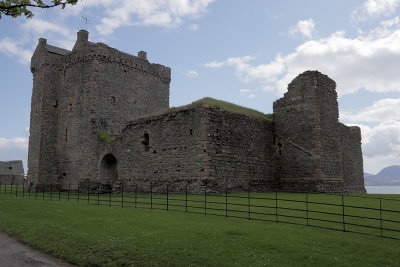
(100, 235)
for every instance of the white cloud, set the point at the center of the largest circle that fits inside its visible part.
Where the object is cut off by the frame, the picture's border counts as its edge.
(14, 149)
(214, 64)
(390, 22)
(13, 48)
(370, 61)
(244, 91)
(39, 26)
(381, 145)
(192, 73)
(194, 27)
(304, 27)
(264, 72)
(247, 92)
(381, 110)
(144, 12)
(375, 8)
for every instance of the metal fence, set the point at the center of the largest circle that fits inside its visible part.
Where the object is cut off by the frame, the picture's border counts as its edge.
(355, 213)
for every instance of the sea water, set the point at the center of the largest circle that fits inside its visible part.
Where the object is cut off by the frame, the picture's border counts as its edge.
(383, 189)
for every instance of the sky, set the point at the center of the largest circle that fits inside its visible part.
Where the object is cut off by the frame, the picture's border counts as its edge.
(244, 52)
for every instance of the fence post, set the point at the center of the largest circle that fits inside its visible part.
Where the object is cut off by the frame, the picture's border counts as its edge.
(205, 199)
(43, 191)
(276, 205)
(135, 195)
(380, 213)
(78, 193)
(59, 192)
(344, 223)
(51, 191)
(226, 201)
(23, 190)
(167, 196)
(122, 195)
(109, 196)
(69, 189)
(29, 190)
(36, 191)
(98, 194)
(307, 207)
(248, 201)
(88, 196)
(151, 195)
(186, 197)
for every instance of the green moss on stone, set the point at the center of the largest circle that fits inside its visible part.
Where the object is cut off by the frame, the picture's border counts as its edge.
(104, 136)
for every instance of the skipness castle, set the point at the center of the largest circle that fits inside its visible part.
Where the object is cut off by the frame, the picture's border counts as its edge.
(102, 116)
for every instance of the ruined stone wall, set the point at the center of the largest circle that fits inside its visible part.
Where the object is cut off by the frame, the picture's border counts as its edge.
(241, 151)
(171, 151)
(353, 174)
(307, 138)
(197, 146)
(294, 125)
(329, 138)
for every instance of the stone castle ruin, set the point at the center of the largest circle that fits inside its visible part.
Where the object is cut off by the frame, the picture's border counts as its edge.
(102, 116)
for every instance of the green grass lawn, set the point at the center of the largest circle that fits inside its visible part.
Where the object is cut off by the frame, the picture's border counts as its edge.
(94, 235)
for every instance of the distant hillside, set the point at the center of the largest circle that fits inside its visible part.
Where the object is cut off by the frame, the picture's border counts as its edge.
(387, 176)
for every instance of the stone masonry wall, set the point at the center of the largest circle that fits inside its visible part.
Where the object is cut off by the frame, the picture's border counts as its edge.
(307, 139)
(172, 151)
(294, 120)
(197, 146)
(78, 93)
(241, 151)
(11, 172)
(353, 174)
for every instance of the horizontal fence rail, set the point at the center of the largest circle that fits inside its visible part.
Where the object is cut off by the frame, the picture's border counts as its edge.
(348, 213)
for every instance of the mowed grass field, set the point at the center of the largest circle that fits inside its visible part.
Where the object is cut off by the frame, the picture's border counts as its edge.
(103, 235)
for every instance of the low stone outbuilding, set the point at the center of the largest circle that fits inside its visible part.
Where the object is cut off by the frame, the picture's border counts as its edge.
(11, 172)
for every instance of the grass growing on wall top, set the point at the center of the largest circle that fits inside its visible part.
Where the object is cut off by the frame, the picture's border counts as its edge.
(91, 235)
(223, 105)
(232, 107)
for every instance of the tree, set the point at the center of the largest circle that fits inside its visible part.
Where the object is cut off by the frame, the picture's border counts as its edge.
(16, 8)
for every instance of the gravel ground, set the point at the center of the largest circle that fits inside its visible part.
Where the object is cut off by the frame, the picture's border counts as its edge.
(16, 254)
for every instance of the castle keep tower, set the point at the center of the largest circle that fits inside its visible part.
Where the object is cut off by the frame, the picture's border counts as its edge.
(78, 93)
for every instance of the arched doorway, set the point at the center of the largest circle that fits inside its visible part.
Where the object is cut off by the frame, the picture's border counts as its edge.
(108, 169)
